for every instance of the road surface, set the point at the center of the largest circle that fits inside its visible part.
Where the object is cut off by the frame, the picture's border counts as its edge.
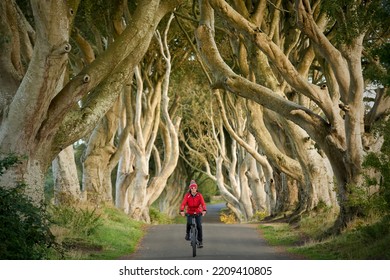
(221, 242)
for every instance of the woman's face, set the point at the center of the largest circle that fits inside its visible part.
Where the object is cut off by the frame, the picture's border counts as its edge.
(193, 190)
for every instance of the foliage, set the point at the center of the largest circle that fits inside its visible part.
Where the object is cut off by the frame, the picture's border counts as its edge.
(86, 16)
(207, 188)
(117, 235)
(7, 162)
(355, 17)
(156, 217)
(380, 162)
(362, 242)
(228, 217)
(279, 234)
(313, 225)
(24, 231)
(259, 216)
(77, 220)
(378, 73)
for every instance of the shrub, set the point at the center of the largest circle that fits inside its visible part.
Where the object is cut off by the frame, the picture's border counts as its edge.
(80, 222)
(228, 217)
(156, 217)
(24, 231)
(380, 162)
(259, 216)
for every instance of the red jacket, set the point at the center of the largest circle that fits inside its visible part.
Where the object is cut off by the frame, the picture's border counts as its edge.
(195, 204)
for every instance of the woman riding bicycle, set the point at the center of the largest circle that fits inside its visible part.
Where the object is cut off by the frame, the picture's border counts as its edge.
(195, 205)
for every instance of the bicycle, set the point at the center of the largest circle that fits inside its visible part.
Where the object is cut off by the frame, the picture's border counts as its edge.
(194, 233)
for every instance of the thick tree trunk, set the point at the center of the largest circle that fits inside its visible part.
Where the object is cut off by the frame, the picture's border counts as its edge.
(136, 192)
(27, 110)
(125, 168)
(287, 196)
(97, 161)
(66, 181)
(246, 193)
(258, 181)
(316, 171)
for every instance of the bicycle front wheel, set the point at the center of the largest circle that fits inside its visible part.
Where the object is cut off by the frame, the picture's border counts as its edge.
(193, 241)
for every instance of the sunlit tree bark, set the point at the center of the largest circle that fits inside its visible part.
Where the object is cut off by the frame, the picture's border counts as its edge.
(151, 119)
(66, 182)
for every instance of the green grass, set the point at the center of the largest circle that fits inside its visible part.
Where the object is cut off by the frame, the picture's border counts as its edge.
(180, 220)
(359, 242)
(112, 234)
(368, 242)
(279, 234)
(115, 236)
(118, 236)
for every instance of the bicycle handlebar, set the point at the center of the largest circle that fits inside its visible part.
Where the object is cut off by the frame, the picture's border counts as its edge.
(196, 214)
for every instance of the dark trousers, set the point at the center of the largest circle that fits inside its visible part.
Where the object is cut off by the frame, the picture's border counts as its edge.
(198, 220)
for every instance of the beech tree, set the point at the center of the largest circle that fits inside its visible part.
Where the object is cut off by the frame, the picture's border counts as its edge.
(336, 125)
(38, 120)
(102, 155)
(143, 187)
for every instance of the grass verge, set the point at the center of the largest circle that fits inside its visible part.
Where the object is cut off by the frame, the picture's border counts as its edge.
(361, 241)
(113, 236)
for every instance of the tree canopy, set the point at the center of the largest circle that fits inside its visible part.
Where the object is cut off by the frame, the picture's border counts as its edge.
(274, 101)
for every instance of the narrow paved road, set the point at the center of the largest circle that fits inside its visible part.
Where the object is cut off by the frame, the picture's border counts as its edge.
(221, 242)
